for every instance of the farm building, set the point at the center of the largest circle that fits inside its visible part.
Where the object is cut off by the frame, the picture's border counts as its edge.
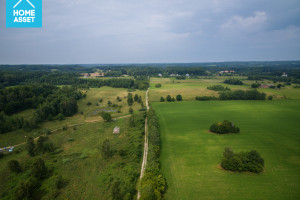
(97, 74)
(116, 129)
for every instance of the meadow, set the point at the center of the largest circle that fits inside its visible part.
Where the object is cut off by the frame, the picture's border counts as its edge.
(86, 113)
(190, 88)
(78, 150)
(191, 155)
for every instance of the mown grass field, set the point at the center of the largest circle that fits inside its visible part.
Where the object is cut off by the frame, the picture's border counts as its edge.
(191, 155)
(190, 88)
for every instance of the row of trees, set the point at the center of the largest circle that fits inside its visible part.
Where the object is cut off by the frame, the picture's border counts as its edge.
(170, 99)
(236, 95)
(153, 184)
(243, 161)
(69, 78)
(242, 95)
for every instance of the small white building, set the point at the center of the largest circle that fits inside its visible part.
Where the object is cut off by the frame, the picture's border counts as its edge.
(284, 74)
(160, 75)
(116, 130)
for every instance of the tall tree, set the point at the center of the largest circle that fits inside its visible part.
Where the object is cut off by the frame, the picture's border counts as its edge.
(30, 146)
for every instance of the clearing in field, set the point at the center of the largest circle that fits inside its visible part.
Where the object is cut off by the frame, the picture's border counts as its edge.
(191, 155)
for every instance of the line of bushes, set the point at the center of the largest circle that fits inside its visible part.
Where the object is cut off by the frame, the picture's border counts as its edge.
(242, 95)
(236, 95)
(233, 81)
(218, 88)
(171, 99)
(153, 185)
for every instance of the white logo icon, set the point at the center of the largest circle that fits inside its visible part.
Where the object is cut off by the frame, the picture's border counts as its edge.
(21, 1)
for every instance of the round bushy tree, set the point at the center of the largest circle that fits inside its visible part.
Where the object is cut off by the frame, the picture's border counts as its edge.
(14, 166)
(224, 127)
(179, 97)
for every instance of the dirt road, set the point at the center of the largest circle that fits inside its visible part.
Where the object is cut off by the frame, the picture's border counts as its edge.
(93, 121)
(145, 146)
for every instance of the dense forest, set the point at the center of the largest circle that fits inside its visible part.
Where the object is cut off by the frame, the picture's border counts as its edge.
(50, 102)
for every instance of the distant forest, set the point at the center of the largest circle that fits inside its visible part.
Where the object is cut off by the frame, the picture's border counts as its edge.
(11, 75)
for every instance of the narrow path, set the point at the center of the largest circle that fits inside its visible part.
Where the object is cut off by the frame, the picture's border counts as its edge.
(145, 146)
(94, 121)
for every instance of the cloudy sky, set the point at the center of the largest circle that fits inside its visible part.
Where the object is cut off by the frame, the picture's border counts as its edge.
(143, 31)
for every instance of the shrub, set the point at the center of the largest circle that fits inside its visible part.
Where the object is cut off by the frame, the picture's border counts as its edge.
(233, 81)
(217, 88)
(162, 99)
(242, 161)
(105, 150)
(60, 117)
(270, 97)
(224, 127)
(88, 103)
(169, 98)
(130, 110)
(136, 97)
(158, 85)
(60, 182)
(255, 85)
(14, 166)
(205, 98)
(26, 189)
(180, 77)
(39, 169)
(106, 116)
(179, 97)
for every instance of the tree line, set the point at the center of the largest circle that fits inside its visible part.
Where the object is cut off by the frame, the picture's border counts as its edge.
(153, 184)
(13, 78)
(50, 103)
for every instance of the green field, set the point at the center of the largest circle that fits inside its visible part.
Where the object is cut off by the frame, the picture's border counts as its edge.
(191, 155)
(190, 88)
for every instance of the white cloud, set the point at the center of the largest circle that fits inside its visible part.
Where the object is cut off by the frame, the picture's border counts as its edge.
(248, 24)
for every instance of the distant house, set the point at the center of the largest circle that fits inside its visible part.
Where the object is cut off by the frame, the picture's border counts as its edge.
(160, 75)
(85, 75)
(284, 74)
(116, 130)
(97, 74)
(187, 75)
(265, 86)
